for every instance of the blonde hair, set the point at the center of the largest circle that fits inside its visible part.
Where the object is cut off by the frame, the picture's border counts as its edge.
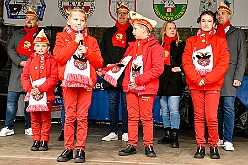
(70, 12)
(162, 33)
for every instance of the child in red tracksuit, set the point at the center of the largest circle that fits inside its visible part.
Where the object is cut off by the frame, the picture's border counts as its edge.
(78, 57)
(39, 79)
(141, 82)
(205, 62)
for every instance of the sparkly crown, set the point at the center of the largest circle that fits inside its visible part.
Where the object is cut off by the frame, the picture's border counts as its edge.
(41, 38)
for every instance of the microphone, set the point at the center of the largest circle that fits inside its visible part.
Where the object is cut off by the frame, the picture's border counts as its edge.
(79, 29)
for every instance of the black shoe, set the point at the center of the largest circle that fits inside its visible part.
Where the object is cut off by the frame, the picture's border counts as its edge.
(80, 156)
(214, 154)
(200, 152)
(65, 156)
(128, 150)
(35, 146)
(166, 139)
(43, 146)
(61, 137)
(174, 138)
(149, 151)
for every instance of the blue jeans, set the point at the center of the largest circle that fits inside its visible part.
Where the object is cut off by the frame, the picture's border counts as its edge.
(62, 114)
(115, 95)
(170, 111)
(11, 109)
(226, 116)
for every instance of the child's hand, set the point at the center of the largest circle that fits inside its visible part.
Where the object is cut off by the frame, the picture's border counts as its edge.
(109, 65)
(82, 49)
(32, 92)
(99, 72)
(35, 91)
(201, 83)
(79, 37)
(132, 83)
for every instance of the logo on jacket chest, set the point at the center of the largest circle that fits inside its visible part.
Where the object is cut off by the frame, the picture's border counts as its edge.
(80, 62)
(136, 70)
(203, 58)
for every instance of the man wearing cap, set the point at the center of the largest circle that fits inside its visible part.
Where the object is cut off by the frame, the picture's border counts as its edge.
(113, 46)
(233, 77)
(141, 82)
(20, 47)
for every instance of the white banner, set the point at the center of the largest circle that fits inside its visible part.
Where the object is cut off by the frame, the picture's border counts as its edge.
(102, 12)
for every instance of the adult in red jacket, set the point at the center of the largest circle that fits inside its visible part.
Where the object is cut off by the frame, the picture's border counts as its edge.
(39, 79)
(78, 57)
(141, 83)
(205, 61)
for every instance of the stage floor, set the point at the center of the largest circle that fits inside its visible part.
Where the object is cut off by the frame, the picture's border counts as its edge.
(15, 149)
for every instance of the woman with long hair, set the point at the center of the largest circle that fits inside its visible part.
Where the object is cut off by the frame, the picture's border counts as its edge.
(170, 83)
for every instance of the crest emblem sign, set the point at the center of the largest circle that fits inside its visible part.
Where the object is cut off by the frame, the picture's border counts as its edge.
(87, 5)
(17, 9)
(213, 5)
(170, 10)
(206, 5)
(115, 4)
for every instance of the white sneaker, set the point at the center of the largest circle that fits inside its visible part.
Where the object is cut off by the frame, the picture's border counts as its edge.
(125, 137)
(28, 131)
(111, 136)
(220, 143)
(228, 146)
(6, 132)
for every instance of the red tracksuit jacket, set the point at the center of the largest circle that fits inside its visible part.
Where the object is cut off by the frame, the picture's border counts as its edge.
(65, 47)
(214, 79)
(51, 77)
(153, 62)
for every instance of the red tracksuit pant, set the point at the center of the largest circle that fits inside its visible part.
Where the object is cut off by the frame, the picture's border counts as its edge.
(140, 108)
(205, 108)
(41, 124)
(77, 102)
